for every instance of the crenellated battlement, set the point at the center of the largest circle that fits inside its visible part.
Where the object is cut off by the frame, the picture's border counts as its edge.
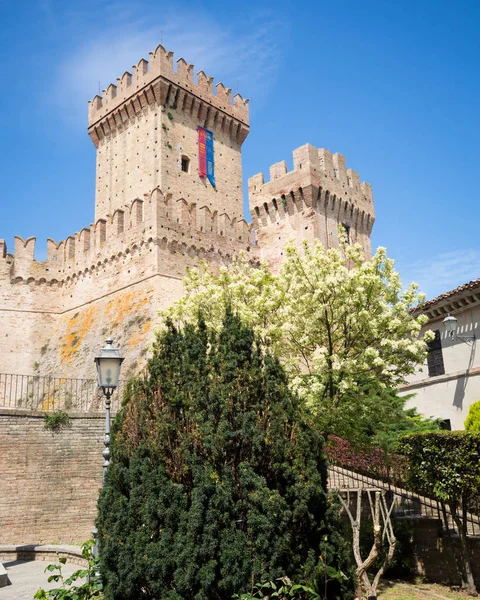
(173, 224)
(309, 203)
(157, 82)
(311, 166)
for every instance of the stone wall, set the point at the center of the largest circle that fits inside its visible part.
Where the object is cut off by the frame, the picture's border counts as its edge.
(433, 552)
(109, 280)
(49, 481)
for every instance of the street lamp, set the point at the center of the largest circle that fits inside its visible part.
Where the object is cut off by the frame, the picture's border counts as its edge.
(450, 323)
(109, 363)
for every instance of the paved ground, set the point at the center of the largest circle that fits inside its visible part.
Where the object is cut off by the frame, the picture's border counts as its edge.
(27, 576)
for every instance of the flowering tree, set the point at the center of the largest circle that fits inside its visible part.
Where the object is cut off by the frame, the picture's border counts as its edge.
(342, 325)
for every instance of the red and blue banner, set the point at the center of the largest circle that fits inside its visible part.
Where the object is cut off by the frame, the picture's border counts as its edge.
(205, 155)
(202, 152)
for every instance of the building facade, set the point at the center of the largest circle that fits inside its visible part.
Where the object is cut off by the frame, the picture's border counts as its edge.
(168, 195)
(449, 382)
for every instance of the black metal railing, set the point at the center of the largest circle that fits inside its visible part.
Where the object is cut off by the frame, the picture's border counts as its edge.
(36, 392)
(408, 503)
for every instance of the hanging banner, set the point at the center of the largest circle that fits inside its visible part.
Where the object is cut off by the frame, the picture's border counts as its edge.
(206, 166)
(202, 152)
(210, 165)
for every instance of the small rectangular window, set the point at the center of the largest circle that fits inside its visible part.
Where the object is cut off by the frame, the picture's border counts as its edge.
(435, 356)
(185, 164)
(346, 228)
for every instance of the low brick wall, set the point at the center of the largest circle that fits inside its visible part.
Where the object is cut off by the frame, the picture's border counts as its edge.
(434, 552)
(48, 553)
(49, 482)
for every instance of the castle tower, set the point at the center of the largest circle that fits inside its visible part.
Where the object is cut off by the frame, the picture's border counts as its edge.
(146, 133)
(168, 195)
(310, 203)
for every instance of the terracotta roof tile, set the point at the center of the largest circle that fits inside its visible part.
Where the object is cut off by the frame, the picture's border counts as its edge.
(470, 286)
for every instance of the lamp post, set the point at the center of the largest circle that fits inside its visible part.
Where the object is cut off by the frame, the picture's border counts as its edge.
(109, 363)
(450, 323)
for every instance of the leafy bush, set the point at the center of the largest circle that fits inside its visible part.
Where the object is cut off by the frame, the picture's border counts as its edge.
(371, 461)
(56, 420)
(90, 587)
(472, 422)
(217, 481)
(446, 465)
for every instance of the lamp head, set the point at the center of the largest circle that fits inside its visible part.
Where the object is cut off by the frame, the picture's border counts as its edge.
(109, 363)
(450, 325)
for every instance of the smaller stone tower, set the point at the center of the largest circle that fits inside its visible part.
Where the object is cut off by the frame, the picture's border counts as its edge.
(309, 203)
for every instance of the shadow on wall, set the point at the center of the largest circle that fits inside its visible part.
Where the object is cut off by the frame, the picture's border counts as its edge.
(462, 381)
(459, 395)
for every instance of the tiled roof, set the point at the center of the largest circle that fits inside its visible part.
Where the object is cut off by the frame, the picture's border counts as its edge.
(466, 287)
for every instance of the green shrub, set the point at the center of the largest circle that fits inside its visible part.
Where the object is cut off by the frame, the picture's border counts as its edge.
(88, 588)
(472, 422)
(56, 420)
(217, 482)
(446, 465)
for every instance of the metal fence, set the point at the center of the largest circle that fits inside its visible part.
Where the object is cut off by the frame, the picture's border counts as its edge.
(407, 503)
(37, 392)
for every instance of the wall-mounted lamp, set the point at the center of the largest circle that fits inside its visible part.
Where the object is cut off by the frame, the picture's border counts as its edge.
(450, 323)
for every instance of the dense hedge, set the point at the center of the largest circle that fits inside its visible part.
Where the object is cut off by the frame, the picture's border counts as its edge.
(444, 464)
(216, 482)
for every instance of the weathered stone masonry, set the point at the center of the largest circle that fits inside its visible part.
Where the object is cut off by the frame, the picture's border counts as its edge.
(49, 481)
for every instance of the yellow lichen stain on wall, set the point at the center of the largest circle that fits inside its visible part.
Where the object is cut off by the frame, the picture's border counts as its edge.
(120, 307)
(126, 317)
(138, 338)
(77, 328)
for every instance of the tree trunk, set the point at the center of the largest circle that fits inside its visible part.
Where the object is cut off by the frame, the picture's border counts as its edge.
(467, 574)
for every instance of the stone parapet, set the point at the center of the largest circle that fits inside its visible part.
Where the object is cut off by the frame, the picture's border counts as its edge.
(309, 203)
(156, 82)
(157, 218)
(315, 167)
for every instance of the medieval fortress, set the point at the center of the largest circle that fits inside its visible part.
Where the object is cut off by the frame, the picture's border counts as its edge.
(168, 195)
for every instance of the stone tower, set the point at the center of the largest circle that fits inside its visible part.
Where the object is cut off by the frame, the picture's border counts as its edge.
(310, 203)
(145, 130)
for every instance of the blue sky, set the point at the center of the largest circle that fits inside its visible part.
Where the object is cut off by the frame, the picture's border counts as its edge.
(394, 86)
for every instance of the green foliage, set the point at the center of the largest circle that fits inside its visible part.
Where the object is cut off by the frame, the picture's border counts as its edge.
(56, 420)
(89, 587)
(283, 588)
(472, 422)
(444, 464)
(342, 326)
(393, 421)
(217, 481)
(169, 115)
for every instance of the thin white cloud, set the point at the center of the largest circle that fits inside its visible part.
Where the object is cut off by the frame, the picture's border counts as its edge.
(444, 272)
(243, 54)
